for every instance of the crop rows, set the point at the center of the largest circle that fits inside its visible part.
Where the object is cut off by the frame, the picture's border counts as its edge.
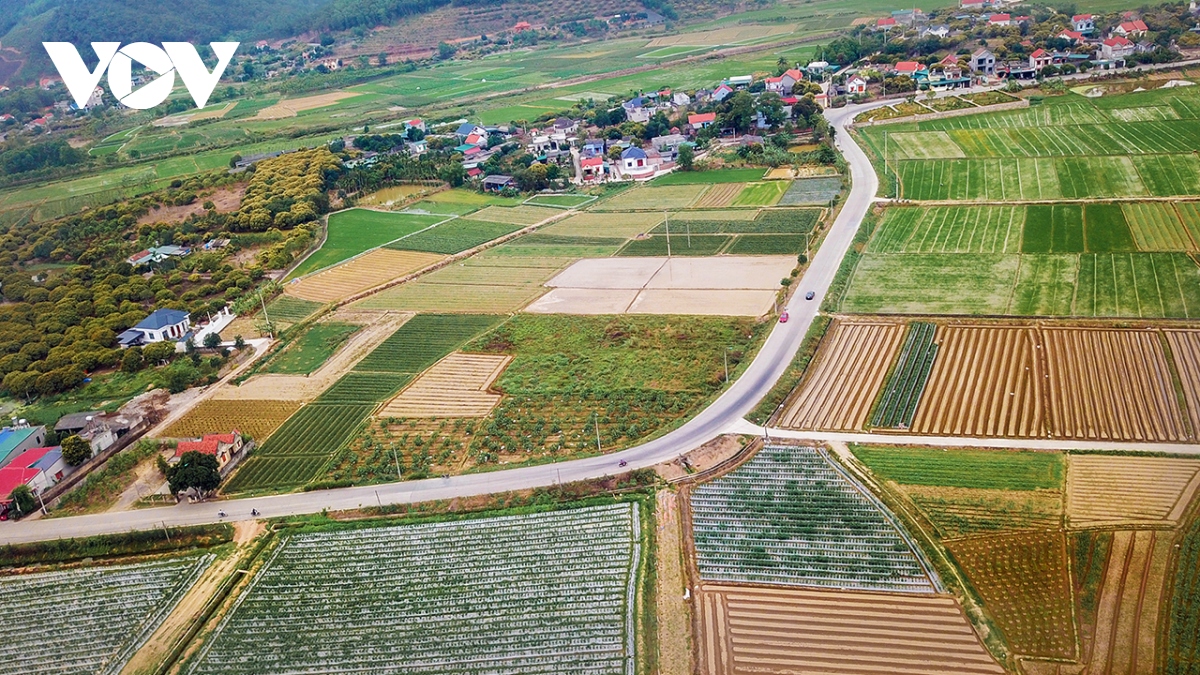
(982, 229)
(454, 236)
(767, 244)
(256, 418)
(811, 191)
(423, 340)
(903, 391)
(542, 593)
(676, 244)
(1025, 586)
(356, 387)
(286, 309)
(788, 516)
(89, 619)
(768, 221)
(1182, 653)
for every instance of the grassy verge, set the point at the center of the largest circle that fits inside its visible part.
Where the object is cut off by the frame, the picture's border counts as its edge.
(115, 545)
(105, 485)
(841, 281)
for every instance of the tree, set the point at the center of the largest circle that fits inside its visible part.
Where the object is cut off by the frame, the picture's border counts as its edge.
(740, 112)
(686, 158)
(75, 450)
(382, 59)
(195, 470)
(156, 352)
(131, 360)
(771, 107)
(23, 497)
(239, 342)
(212, 341)
(445, 51)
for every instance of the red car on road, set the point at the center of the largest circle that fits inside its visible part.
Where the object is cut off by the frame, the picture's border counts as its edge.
(783, 317)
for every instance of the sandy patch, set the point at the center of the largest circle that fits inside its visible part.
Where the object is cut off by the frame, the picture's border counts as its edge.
(584, 301)
(703, 303)
(290, 107)
(724, 272)
(608, 273)
(214, 111)
(226, 200)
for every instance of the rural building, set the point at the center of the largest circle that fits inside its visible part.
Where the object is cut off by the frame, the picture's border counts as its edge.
(1131, 29)
(565, 125)
(498, 182)
(1071, 35)
(592, 168)
(1000, 20)
(38, 468)
(74, 423)
(740, 81)
(856, 85)
(983, 61)
(1083, 23)
(636, 163)
(940, 31)
(158, 254)
(161, 325)
(721, 92)
(681, 99)
(886, 23)
(17, 439)
(702, 121)
(1116, 48)
(222, 446)
(1040, 59)
(104, 429)
(669, 143)
(467, 129)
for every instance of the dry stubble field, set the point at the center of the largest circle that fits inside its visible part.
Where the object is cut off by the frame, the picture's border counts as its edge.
(457, 386)
(1107, 491)
(1128, 608)
(749, 629)
(360, 274)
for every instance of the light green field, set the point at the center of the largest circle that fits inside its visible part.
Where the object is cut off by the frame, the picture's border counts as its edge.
(645, 198)
(354, 231)
(622, 225)
(515, 215)
(1156, 227)
(761, 194)
(979, 229)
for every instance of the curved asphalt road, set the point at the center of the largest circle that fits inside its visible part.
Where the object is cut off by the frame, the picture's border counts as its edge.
(737, 401)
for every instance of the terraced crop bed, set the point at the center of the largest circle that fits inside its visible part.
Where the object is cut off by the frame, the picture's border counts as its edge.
(541, 593)
(903, 391)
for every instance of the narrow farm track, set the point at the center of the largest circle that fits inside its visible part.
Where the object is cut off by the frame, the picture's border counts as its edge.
(748, 629)
(844, 382)
(1127, 615)
(739, 399)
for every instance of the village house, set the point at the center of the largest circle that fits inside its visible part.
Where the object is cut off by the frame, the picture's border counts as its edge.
(1040, 58)
(668, 144)
(940, 31)
(1083, 23)
(593, 147)
(1131, 29)
(222, 446)
(636, 163)
(856, 85)
(701, 120)
(37, 468)
(721, 92)
(885, 24)
(1000, 20)
(983, 61)
(498, 182)
(161, 325)
(1071, 35)
(592, 168)
(1116, 48)
(18, 438)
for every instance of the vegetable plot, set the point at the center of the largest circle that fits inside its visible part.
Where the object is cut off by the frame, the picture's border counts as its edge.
(904, 389)
(89, 619)
(540, 593)
(789, 516)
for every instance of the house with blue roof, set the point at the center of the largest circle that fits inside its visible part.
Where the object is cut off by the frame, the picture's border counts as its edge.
(161, 325)
(467, 129)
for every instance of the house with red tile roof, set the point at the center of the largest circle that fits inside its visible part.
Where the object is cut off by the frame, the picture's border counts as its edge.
(1116, 48)
(700, 121)
(1000, 20)
(1071, 35)
(1083, 23)
(1040, 58)
(38, 468)
(1131, 28)
(222, 446)
(886, 23)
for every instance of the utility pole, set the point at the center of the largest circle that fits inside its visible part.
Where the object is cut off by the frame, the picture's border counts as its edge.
(164, 524)
(668, 223)
(398, 476)
(267, 317)
(597, 418)
(726, 355)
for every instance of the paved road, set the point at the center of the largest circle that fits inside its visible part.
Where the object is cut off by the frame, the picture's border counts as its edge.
(744, 427)
(741, 397)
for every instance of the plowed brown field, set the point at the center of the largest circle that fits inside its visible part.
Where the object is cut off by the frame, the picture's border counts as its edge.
(456, 386)
(1127, 616)
(1110, 385)
(746, 629)
(1185, 348)
(1130, 491)
(363, 273)
(846, 377)
(985, 382)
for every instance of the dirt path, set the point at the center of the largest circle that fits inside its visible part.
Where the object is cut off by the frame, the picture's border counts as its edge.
(149, 480)
(674, 612)
(187, 612)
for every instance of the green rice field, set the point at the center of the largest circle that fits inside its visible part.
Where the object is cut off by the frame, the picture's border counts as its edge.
(354, 231)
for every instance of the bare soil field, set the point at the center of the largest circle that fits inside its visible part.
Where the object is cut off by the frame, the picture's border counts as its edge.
(674, 612)
(457, 386)
(719, 196)
(748, 629)
(985, 382)
(225, 200)
(1128, 611)
(1110, 385)
(258, 418)
(1185, 349)
(363, 273)
(379, 325)
(840, 387)
(291, 107)
(244, 326)
(715, 286)
(1106, 491)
